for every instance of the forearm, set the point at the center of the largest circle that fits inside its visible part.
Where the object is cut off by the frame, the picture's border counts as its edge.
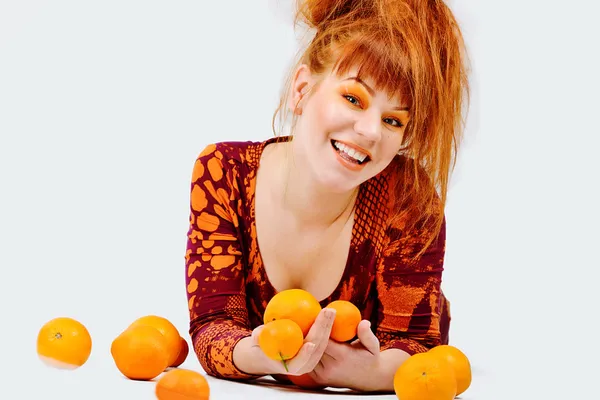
(389, 362)
(214, 345)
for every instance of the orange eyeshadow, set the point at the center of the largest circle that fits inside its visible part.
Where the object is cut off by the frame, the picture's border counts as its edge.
(357, 91)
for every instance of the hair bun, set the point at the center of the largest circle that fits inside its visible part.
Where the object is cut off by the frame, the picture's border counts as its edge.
(318, 12)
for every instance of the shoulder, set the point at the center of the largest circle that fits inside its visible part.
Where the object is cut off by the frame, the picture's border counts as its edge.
(231, 152)
(412, 200)
(222, 158)
(415, 227)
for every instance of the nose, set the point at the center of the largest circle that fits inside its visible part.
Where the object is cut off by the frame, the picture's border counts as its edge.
(368, 125)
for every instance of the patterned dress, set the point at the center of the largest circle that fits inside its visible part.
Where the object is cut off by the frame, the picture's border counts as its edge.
(228, 289)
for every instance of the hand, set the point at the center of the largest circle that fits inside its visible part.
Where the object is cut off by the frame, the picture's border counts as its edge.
(311, 351)
(350, 365)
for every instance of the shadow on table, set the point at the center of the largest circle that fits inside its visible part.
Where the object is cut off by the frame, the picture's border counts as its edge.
(289, 387)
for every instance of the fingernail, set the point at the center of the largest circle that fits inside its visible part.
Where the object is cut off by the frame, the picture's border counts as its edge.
(311, 347)
(330, 313)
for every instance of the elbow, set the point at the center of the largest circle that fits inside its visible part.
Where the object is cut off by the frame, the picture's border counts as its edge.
(207, 358)
(213, 346)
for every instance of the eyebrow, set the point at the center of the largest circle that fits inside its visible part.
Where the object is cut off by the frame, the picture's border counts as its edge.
(372, 92)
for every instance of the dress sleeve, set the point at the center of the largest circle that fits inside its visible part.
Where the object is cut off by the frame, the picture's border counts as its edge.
(409, 293)
(214, 273)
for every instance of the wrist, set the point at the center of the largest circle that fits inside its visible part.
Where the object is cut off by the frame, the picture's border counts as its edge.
(249, 358)
(375, 380)
(382, 376)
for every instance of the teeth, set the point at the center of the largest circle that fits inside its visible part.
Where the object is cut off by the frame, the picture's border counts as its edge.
(357, 155)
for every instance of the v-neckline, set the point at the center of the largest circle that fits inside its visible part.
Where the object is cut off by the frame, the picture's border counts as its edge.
(353, 238)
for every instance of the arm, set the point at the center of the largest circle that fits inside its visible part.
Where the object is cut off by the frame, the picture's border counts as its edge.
(410, 300)
(224, 342)
(406, 319)
(214, 273)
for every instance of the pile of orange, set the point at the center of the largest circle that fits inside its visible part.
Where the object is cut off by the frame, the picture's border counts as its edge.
(146, 348)
(441, 373)
(288, 317)
(151, 345)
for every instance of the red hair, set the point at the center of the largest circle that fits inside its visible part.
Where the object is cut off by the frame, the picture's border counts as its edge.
(409, 48)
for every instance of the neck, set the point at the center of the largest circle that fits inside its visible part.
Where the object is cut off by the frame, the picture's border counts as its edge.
(310, 203)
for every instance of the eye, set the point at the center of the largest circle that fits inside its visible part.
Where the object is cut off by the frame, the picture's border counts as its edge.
(394, 122)
(352, 99)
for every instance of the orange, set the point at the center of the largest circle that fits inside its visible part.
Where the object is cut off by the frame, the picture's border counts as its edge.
(459, 362)
(140, 352)
(296, 304)
(346, 321)
(184, 350)
(182, 384)
(64, 343)
(281, 339)
(305, 381)
(169, 330)
(425, 376)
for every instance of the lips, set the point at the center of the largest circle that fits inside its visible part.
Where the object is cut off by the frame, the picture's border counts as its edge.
(351, 152)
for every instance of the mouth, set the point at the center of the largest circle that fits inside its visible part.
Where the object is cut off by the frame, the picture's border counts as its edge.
(350, 154)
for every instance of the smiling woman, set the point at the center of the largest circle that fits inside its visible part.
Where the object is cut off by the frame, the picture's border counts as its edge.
(348, 206)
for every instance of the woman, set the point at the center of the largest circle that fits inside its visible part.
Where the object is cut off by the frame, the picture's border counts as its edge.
(349, 205)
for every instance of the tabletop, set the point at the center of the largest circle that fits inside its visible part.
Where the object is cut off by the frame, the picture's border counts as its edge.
(103, 381)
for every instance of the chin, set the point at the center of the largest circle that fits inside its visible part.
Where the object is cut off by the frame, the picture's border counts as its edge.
(336, 182)
(339, 172)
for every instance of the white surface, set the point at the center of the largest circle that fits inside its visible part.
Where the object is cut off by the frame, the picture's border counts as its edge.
(97, 381)
(105, 105)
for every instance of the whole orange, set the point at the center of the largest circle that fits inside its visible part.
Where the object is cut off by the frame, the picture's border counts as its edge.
(305, 381)
(281, 339)
(64, 343)
(140, 352)
(182, 384)
(425, 376)
(459, 363)
(184, 350)
(346, 321)
(169, 330)
(296, 304)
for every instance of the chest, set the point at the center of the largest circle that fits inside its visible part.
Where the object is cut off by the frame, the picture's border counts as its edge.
(313, 259)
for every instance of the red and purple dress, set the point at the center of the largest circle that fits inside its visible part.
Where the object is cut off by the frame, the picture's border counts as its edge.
(228, 289)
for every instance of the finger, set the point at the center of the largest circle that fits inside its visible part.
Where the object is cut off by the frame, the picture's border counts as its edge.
(319, 336)
(297, 363)
(317, 370)
(367, 337)
(321, 328)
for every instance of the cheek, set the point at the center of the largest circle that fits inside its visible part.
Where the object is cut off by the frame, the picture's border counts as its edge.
(329, 114)
(390, 146)
(331, 117)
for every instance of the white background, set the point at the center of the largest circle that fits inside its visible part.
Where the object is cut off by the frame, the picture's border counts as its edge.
(104, 106)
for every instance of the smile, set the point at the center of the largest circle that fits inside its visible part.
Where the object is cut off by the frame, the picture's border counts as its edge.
(350, 154)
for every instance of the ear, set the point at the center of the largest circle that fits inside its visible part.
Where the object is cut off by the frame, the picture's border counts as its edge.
(301, 83)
